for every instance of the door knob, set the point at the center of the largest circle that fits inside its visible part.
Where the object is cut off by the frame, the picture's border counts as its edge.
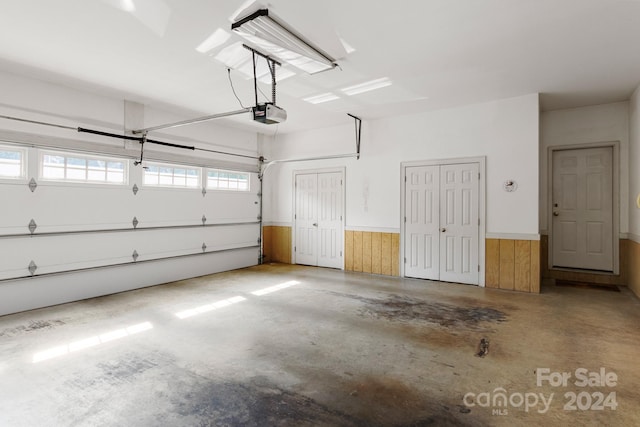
(556, 213)
(443, 230)
(315, 224)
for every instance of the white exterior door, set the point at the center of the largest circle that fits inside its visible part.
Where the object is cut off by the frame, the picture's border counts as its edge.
(441, 222)
(582, 210)
(318, 219)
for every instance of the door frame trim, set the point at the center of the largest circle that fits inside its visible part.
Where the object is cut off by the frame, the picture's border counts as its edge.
(482, 194)
(295, 173)
(615, 145)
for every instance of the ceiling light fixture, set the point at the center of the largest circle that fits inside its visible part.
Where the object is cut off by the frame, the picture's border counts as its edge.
(367, 86)
(274, 39)
(323, 97)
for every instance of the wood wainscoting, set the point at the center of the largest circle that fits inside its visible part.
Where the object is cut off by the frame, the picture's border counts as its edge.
(633, 266)
(276, 244)
(513, 265)
(372, 252)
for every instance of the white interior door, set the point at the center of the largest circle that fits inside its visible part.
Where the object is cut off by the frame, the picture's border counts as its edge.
(318, 219)
(459, 225)
(422, 222)
(306, 219)
(330, 235)
(441, 222)
(582, 211)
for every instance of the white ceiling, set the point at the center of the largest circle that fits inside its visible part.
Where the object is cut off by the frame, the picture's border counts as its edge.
(437, 53)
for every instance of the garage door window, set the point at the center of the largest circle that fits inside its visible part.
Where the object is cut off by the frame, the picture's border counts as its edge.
(12, 162)
(167, 175)
(59, 166)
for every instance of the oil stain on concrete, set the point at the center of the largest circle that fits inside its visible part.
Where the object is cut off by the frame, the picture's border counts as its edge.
(256, 402)
(32, 326)
(401, 308)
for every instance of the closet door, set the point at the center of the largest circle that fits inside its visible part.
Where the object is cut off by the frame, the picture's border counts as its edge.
(441, 222)
(319, 219)
(422, 222)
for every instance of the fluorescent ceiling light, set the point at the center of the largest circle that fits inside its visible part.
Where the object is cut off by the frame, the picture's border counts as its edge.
(367, 86)
(218, 38)
(324, 97)
(272, 38)
(240, 59)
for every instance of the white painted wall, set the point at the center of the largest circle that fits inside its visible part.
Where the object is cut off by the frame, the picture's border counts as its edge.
(505, 131)
(634, 165)
(599, 123)
(47, 102)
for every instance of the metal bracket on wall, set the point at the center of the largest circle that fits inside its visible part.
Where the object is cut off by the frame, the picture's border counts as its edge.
(135, 189)
(204, 219)
(358, 122)
(204, 247)
(32, 267)
(32, 226)
(135, 255)
(33, 185)
(135, 222)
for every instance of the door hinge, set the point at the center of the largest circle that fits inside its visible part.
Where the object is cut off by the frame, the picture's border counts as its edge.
(295, 249)
(340, 182)
(295, 216)
(478, 221)
(478, 175)
(340, 217)
(405, 219)
(340, 253)
(478, 268)
(405, 178)
(405, 260)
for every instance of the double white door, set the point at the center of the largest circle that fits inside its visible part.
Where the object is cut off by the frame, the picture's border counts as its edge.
(441, 222)
(318, 219)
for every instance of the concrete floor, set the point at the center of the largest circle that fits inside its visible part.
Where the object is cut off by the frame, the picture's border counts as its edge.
(325, 348)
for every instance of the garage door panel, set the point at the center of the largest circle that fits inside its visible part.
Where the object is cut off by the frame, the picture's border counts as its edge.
(77, 251)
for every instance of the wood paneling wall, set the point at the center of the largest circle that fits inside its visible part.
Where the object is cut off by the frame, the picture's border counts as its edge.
(626, 264)
(276, 244)
(513, 265)
(633, 266)
(372, 252)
